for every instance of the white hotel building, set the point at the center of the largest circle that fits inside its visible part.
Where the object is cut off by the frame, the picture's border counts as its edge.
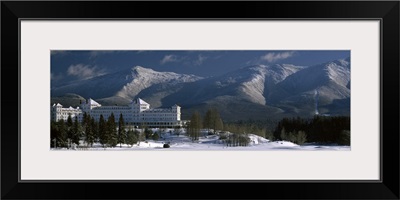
(137, 113)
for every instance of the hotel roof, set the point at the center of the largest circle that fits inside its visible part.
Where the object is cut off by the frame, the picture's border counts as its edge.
(93, 102)
(140, 101)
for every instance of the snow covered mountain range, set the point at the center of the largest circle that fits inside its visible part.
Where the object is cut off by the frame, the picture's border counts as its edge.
(256, 92)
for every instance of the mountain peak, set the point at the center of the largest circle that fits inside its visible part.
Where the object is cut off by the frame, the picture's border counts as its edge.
(252, 67)
(141, 69)
(344, 62)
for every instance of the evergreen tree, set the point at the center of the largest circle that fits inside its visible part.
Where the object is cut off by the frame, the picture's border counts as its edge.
(132, 137)
(89, 134)
(344, 138)
(76, 131)
(283, 134)
(112, 138)
(155, 136)
(121, 130)
(103, 139)
(141, 135)
(95, 130)
(62, 136)
(84, 119)
(69, 130)
(148, 133)
(54, 134)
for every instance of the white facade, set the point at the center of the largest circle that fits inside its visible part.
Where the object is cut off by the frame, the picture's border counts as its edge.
(58, 112)
(137, 113)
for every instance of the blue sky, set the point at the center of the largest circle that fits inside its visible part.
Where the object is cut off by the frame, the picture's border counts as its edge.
(77, 65)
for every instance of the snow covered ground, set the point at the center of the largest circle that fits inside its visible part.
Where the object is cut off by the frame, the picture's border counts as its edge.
(212, 142)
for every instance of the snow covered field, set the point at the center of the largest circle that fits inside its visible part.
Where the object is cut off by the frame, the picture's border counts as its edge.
(212, 142)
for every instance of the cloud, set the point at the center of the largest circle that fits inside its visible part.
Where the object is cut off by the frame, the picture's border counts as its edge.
(200, 59)
(169, 58)
(184, 60)
(54, 77)
(273, 57)
(84, 71)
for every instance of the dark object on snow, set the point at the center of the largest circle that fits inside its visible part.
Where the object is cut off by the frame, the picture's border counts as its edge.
(166, 146)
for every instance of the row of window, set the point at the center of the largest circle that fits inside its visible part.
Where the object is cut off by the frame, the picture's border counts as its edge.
(101, 112)
(158, 119)
(111, 108)
(157, 115)
(128, 115)
(106, 114)
(66, 114)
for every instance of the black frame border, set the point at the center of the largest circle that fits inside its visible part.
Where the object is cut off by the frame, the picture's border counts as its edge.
(386, 11)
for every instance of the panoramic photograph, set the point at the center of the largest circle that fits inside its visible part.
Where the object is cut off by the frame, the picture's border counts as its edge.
(218, 100)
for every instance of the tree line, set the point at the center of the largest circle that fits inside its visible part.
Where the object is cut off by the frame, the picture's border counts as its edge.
(108, 133)
(320, 129)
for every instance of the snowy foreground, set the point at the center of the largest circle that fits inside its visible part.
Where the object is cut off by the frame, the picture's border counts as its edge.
(211, 142)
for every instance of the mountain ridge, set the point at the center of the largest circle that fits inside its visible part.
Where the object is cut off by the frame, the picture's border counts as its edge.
(283, 89)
